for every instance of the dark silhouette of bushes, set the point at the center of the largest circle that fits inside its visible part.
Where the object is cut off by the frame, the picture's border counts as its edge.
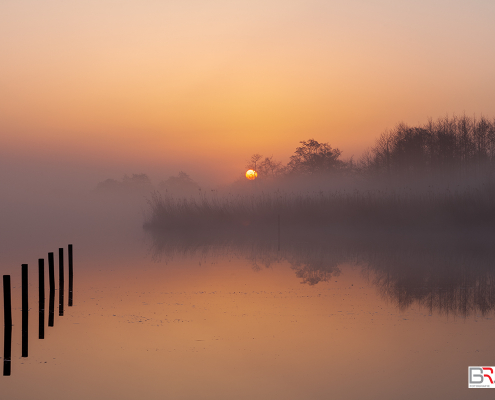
(330, 212)
(449, 144)
(129, 184)
(459, 145)
(314, 157)
(182, 185)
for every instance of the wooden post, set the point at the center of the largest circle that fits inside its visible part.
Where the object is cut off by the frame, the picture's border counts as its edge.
(7, 302)
(278, 232)
(25, 310)
(41, 272)
(71, 276)
(51, 273)
(7, 315)
(61, 281)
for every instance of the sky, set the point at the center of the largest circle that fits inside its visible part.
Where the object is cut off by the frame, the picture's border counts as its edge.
(98, 89)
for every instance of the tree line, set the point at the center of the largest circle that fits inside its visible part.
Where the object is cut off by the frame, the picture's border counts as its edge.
(456, 144)
(309, 158)
(182, 184)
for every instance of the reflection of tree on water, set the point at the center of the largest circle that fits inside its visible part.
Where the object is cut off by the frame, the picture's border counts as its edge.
(446, 280)
(453, 275)
(312, 263)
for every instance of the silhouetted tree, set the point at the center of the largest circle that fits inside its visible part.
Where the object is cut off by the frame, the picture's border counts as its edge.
(253, 161)
(136, 180)
(452, 144)
(269, 167)
(133, 183)
(313, 157)
(180, 184)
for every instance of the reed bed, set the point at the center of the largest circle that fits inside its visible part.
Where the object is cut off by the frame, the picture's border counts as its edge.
(473, 207)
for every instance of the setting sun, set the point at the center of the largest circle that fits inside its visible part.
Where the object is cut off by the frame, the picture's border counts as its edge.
(251, 174)
(368, 239)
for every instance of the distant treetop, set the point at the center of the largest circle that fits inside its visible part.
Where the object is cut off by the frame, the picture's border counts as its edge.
(314, 157)
(181, 184)
(133, 183)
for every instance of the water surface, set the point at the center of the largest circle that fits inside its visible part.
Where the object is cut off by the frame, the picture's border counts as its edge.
(160, 318)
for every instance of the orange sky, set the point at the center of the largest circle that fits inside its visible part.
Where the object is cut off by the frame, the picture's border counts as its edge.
(199, 86)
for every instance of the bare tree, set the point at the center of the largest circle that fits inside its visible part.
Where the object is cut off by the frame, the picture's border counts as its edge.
(252, 163)
(454, 144)
(269, 167)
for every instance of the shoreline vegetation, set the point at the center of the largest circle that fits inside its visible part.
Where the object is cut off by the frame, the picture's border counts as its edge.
(439, 176)
(416, 212)
(470, 208)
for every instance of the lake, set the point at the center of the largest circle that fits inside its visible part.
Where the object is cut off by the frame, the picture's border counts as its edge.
(373, 316)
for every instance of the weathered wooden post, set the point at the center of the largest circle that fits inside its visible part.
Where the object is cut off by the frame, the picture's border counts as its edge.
(278, 232)
(41, 273)
(71, 276)
(7, 316)
(25, 310)
(51, 306)
(61, 281)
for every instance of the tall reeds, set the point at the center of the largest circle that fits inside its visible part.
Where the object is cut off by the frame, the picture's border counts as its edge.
(472, 207)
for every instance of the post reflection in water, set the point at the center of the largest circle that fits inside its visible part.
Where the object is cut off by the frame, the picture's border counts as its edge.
(440, 272)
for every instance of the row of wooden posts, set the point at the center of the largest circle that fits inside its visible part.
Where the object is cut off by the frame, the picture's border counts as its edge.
(7, 302)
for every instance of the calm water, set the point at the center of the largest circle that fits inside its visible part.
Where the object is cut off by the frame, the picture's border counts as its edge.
(181, 319)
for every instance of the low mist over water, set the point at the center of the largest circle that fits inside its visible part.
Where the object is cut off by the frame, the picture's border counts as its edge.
(262, 200)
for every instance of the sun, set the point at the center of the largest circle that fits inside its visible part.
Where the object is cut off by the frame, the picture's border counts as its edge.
(251, 174)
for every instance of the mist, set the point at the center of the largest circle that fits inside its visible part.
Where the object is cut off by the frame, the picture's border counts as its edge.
(363, 243)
